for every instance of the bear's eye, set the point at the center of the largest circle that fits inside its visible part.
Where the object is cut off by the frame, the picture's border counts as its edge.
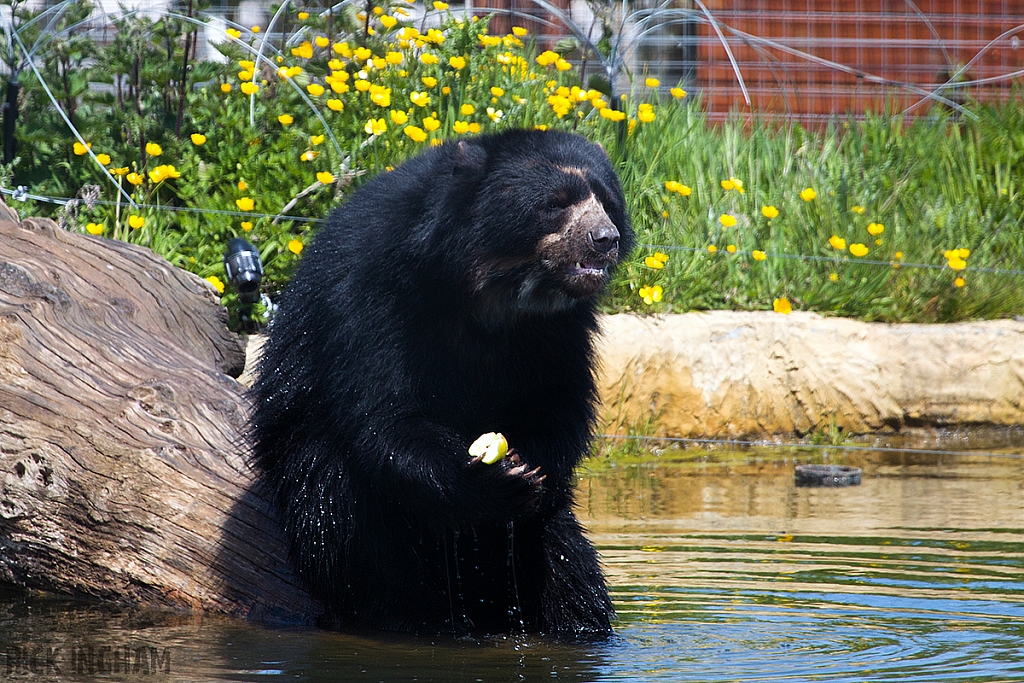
(554, 205)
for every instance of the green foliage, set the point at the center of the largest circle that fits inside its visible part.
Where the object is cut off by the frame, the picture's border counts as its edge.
(346, 96)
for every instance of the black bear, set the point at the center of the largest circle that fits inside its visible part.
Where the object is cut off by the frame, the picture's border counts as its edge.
(452, 296)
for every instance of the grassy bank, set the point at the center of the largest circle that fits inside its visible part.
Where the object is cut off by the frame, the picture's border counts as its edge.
(881, 219)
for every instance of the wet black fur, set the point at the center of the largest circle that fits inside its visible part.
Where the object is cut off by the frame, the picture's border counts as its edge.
(421, 317)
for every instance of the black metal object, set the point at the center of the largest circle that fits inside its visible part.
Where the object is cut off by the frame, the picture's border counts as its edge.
(244, 269)
(827, 475)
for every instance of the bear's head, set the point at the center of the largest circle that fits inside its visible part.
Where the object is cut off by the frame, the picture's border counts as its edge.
(547, 221)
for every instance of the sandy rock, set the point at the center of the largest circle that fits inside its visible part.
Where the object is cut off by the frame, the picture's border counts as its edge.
(741, 374)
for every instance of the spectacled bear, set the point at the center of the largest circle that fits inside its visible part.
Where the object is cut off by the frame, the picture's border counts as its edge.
(452, 296)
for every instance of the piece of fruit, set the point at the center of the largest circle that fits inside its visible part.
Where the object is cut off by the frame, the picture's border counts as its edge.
(492, 446)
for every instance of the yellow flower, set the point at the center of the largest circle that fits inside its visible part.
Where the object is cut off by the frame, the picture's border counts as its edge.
(494, 114)
(759, 255)
(496, 91)
(415, 133)
(295, 247)
(837, 242)
(321, 41)
(857, 209)
(394, 58)
(375, 127)
(782, 306)
(652, 82)
(198, 139)
(135, 178)
(233, 33)
(119, 171)
(380, 95)
(712, 249)
(245, 204)
(457, 62)
(136, 222)
(431, 124)
(429, 81)
(304, 50)
(246, 225)
(678, 93)
(94, 228)
(325, 177)
(399, 118)
(311, 154)
(285, 119)
(612, 114)
(249, 88)
(963, 253)
(429, 58)
(217, 283)
(564, 65)
(652, 262)
(315, 89)
(162, 173)
(335, 105)
(957, 263)
(153, 149)
(651, 294)
(245, 75)
(733, 184)
(679, 188)
(474, 128)
(547, 58)
(898, 254)
(876, 228)
(303, 16)
(255, 29)
(731, 248)
(225, 87)
(769, 211)
(807, 194)
(81, 149)
(440, 6)
(959, 282)
(420, 99)
(519, 31)
(460, 127)
(726, 220)
(242, 185)
(316, 140)
(103, 158)
(342, 49)
(645, 113)
(467, 109)
(858, 249)
(388, 21)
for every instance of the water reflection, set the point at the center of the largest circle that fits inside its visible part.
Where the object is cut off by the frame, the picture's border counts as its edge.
(725, 570)
(721, 569)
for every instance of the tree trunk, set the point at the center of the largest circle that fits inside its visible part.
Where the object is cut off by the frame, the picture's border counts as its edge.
(122, 469)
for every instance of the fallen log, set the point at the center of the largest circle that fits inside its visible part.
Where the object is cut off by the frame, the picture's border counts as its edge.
(122, 475)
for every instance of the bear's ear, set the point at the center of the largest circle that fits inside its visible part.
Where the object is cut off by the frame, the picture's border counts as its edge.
(470, 160)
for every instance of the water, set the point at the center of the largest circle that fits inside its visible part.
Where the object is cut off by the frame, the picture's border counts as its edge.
(721, 570)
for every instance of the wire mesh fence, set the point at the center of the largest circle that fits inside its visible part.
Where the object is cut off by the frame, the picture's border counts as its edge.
(804, 59)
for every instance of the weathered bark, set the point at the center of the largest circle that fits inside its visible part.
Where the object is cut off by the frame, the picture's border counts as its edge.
(122, 474)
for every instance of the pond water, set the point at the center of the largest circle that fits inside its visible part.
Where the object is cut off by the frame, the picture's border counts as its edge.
(721, 570)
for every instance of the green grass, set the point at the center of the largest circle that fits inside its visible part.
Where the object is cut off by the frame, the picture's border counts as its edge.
(936, 183)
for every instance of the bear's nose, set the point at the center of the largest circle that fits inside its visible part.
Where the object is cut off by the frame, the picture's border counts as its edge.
(604, 237)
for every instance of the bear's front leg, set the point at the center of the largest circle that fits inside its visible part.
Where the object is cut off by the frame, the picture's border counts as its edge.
(574, 596)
